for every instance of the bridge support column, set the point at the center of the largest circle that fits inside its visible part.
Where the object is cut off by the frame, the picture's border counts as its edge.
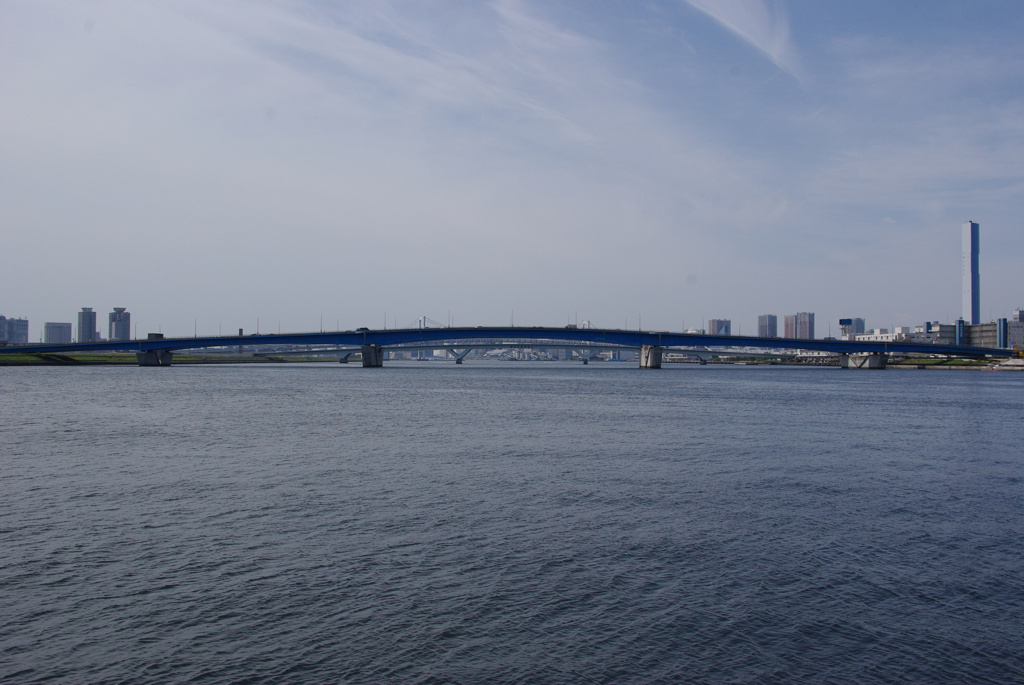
(373, 356)
(154, 357)
(650, 356)
(863, 360)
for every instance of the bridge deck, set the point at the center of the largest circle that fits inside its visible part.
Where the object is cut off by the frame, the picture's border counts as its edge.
(551, 337)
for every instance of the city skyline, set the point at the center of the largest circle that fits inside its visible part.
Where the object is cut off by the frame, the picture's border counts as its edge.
(799, 326)
(307, 166)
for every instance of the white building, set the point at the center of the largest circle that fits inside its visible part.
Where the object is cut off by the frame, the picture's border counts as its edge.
(877, 335)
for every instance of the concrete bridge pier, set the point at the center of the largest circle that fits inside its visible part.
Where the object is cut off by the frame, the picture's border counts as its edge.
(154, 357)
(373, 356)
(650, 356)
(863, 360)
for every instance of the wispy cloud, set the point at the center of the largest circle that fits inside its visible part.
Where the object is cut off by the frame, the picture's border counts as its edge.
(423, 146)
(762, 24)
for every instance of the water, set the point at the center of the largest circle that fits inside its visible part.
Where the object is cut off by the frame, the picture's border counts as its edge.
(510, 523)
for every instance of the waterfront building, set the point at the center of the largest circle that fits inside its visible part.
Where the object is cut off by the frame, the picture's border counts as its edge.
(767, 326)
(877, 335)
(56, 333)
(119, 324)
(1015, 334)
(720, 326)
(1018, 315)
(945, 333)
(933, 332)
(87, 326)
(941, 333)
(1002, 333)
(970, 274)
(789, 326)
(985, 334)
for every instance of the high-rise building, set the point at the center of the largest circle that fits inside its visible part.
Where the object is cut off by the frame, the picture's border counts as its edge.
(120, 324)
(56, 333)
(1018, 315)
(790, 326)
(87, 326)
(970, 274)
(720, 327)
(767, 326)
(13, 331)
(805, 325)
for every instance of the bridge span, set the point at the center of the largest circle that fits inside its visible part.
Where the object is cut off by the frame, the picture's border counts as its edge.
(371, 344)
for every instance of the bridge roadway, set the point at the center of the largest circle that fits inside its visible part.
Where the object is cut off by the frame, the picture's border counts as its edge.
(158, 352)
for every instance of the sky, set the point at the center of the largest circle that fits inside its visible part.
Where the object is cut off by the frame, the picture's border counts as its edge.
(305, 165)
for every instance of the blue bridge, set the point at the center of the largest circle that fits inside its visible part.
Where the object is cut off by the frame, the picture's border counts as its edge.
(371, 345)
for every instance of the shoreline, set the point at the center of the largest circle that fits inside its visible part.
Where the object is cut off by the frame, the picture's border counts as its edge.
(50, 359)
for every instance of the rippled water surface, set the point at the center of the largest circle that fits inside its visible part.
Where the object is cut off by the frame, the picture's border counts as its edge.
(516, 523)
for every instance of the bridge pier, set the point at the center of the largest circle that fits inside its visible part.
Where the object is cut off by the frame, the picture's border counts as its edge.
(154, 357)
(650, 356)
(862, 360)
(373, 356)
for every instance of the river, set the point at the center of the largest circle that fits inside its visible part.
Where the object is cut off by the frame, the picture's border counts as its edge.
(510, 522)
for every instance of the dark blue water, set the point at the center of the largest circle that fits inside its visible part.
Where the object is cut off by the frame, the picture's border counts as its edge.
(517, 523)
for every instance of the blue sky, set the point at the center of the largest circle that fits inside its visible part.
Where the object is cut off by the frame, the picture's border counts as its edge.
(210, 164)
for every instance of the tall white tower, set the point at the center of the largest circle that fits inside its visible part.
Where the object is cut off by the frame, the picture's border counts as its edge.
(971, 288)
(87, 325)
